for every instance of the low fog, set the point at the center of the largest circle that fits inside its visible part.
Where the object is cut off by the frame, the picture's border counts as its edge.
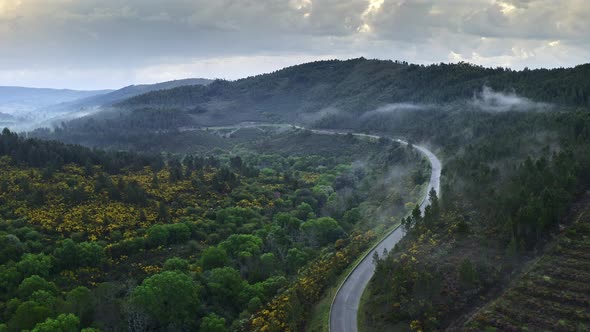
(394, 108)
(493, 101)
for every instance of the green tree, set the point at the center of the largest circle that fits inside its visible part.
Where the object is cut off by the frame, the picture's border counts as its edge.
(90, 254)
(63, 323)
(157, 235)
(236, 216)
(11, 248)
(296, 258)
(288, 222)
(416, 215)
(33, 284)
(432, 211)
(213, 257)
(322, 231)
(45, 299)
(66, 255)
(304, 211)
(163, 212)
(9, 278)
(268, 264)
(170, 298)
(176, 264)
(80, 302)
(213, 323)
(224, 286)
(467, 273)
(434, 203)
(178, 233)
(27, 315)
(242, 245)
(352, 216)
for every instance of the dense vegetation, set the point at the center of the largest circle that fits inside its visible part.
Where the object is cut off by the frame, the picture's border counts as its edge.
(355, 86)
(144, 130)
(509, 180)
(122, 241)
(554, 293)
(324, 93)
(515, 151)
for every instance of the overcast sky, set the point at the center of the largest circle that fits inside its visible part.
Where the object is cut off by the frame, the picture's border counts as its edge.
(92, 44)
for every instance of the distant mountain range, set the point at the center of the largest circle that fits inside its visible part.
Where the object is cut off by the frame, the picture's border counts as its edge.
(13, 99)
(27, 108)
(112, 97)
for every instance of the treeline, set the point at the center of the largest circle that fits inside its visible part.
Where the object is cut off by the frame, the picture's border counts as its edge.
(54, 155)
(145, 130)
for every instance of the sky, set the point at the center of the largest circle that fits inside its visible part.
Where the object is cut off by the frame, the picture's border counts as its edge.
(98, 44)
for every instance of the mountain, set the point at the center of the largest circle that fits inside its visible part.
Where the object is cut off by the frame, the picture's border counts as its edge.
(346, 94)
(325, 88)
(110, 98)
(22, 107)
(34, 108)
(515, 147)
(14, 100)
(6, 120)
(85, 106)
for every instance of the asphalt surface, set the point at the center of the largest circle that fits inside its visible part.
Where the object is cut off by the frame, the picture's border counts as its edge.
(344, 309)
(343, 313)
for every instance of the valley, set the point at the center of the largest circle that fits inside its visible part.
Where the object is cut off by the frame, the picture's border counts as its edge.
(294, 166)
(314, 212)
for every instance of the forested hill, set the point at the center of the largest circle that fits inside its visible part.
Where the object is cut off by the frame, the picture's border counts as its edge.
(134, 90)
(112, 97)
(361, 85)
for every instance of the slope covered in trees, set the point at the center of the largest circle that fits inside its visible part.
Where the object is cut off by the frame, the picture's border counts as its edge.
(298, 93)
(146, 130)
(109, 98)
(514, 146)
(355, 93)
(509, 180)
(323, 94)
(554, 292)
(122, 241)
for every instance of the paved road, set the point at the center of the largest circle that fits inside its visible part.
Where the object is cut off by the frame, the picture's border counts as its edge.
(343, 313)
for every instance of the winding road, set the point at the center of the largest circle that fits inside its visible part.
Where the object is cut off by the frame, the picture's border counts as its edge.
(345, 305)
(344, 309)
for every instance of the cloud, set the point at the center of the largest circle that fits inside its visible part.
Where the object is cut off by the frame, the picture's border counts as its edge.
(223, 67)
(394, 108)
(134, 36)
(492, 101)
(312, 117)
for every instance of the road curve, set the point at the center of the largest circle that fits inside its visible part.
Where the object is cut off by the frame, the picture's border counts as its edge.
(345, 305)
(344, 309)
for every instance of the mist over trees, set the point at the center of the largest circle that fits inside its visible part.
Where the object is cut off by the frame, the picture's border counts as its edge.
(227, 228)
(509, 181)
(362, 85)
(337, 94)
